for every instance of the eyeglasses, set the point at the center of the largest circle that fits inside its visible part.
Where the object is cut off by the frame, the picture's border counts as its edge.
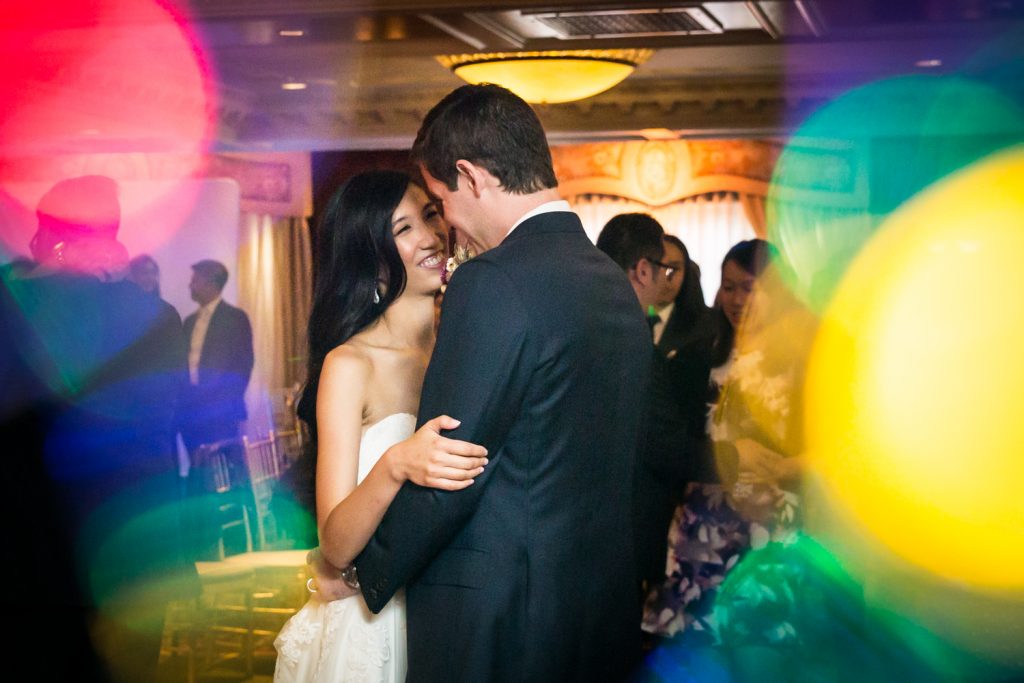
(670, 270)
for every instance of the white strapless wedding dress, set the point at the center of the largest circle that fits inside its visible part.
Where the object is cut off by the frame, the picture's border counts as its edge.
(342, 641)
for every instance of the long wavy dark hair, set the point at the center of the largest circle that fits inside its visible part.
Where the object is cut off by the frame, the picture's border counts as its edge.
(356, 257)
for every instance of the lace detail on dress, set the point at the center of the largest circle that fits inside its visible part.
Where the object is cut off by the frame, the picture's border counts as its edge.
(371, 648)
(341, 641)
(296, 637)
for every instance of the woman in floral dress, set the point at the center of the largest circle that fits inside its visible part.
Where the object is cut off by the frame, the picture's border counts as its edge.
(754, 426)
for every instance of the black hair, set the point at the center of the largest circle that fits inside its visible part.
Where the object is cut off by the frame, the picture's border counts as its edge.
(356, 262)
(690, 314)
(629, 237)
(491, 127)
(356, 249)
(753, 256)
(214, 271)
(691, 294)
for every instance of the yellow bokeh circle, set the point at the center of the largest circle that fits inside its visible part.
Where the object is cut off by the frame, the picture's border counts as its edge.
(915, 389)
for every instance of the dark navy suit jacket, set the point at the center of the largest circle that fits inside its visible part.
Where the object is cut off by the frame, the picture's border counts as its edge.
(212, 409)
(528, 574)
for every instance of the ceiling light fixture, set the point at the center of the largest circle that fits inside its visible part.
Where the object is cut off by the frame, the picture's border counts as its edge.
(549, 77)
(291, 33)
(928, 63)
(293, 85)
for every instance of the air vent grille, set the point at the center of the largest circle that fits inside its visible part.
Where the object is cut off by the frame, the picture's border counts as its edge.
(630, 23)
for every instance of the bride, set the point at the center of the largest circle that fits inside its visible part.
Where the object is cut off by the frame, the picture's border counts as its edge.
(371, 332)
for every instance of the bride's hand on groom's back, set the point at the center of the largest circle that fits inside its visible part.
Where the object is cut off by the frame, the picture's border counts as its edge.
(428, 459)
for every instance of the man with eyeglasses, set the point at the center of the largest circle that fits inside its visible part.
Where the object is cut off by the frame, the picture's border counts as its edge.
(672, 265)
(674, 450)
(634, 242)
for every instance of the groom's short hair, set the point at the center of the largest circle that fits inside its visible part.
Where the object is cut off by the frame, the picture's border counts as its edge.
(491, 127)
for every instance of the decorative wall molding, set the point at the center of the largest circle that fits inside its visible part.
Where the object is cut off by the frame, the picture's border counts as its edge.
(276, 183)
(659, 172)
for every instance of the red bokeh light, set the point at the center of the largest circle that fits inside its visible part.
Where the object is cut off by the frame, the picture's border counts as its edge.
(101, 76)
(91, 78)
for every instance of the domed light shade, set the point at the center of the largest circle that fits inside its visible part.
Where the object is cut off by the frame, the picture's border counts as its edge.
(549, 77)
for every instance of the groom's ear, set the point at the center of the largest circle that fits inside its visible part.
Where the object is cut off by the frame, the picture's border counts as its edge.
(477, 177)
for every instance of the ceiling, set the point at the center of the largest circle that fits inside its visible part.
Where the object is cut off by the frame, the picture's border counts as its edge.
(719, 68)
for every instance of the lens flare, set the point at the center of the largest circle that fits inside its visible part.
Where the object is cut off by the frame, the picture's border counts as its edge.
(99, 87)
(107, 76)
(858, 158)
(916, 381)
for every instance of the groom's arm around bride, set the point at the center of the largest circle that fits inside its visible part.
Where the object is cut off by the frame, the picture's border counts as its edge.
(542, 354)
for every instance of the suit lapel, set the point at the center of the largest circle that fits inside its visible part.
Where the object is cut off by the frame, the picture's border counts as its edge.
(189, 325)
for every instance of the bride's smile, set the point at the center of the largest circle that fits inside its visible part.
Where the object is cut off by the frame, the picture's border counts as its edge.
(417, 227)
(433, 261)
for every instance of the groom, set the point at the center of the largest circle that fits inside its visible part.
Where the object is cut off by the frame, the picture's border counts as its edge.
(543, 354)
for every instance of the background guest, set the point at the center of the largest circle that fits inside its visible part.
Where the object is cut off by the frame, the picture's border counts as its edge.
(220, 361)
(685, 317)
(144, 271)
(90, 502)
(719, 522)
(673, 269)
(633, 240)
(674, 448)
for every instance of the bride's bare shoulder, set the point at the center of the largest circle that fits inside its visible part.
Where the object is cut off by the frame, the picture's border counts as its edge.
(350, 358)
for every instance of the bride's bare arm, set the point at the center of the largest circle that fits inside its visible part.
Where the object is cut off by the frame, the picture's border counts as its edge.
(347, 514)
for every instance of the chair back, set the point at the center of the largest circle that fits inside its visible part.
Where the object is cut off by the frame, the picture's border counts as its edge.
(265, 469)
(225, 476)
(289, 444)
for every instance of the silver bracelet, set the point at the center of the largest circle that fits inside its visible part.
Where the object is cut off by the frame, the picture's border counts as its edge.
(350, 577)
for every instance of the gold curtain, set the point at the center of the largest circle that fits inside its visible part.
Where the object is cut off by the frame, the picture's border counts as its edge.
(754, 208)
(275, 288)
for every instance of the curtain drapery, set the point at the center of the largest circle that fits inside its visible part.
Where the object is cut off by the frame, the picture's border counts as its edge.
(708, 224)
(274, 288)
(754, 209)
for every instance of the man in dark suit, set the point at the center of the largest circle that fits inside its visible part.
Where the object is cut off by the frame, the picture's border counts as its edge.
(634, 242)
(90, 366)
(543, 355)
(674, 449)
(220, 360)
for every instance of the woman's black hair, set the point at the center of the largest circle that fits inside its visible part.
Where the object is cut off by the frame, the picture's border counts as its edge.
(690, 319)
(356, 261)
(753, 256)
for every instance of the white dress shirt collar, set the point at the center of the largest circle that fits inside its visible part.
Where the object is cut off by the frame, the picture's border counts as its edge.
(546, 207)
(195, 348)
